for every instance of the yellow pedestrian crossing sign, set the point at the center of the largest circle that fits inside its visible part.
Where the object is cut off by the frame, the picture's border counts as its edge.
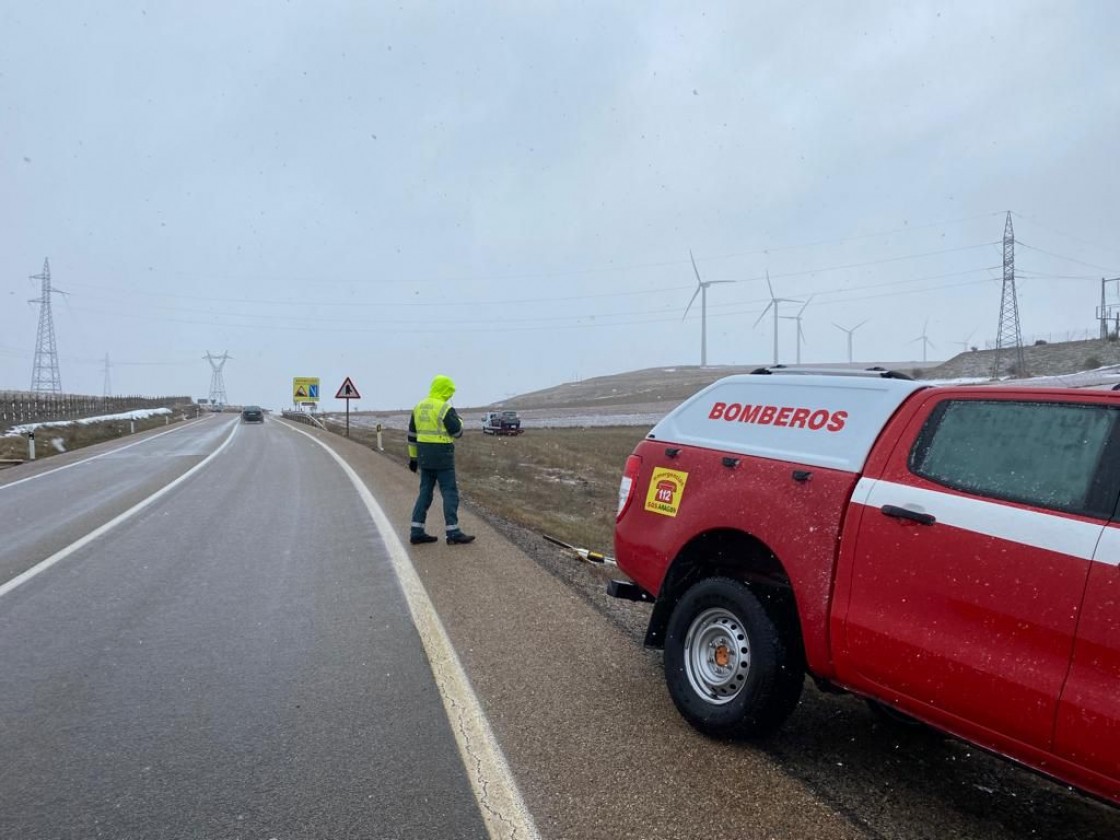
(347, 391)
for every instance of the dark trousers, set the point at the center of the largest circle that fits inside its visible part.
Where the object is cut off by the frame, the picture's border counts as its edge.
(448, 490)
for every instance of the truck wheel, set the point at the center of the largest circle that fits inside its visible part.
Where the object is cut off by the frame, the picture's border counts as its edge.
(731, 672)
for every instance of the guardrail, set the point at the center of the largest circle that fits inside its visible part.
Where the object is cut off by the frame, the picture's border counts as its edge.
(303, 417)
(20, 407)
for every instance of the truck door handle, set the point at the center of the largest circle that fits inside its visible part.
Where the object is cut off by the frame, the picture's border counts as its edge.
(906, 513)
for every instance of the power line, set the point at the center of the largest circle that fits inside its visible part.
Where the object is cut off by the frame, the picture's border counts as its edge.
(381, 304)
(883, 261)
(923, 291)
(818, 243)
(846, 299)
(1068, 259)
(1067, 235)
(572, 272)
(498, 325)
(249, 319)
(644, 292)
(1035, 275)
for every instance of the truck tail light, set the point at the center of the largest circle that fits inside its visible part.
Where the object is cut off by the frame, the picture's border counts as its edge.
(626, 487)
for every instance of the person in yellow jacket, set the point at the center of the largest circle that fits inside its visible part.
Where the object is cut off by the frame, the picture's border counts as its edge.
(432, 430)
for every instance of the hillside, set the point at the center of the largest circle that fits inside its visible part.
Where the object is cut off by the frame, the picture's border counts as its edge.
(653, 386)
(641, 387)
(642, 397)
(1041, 360)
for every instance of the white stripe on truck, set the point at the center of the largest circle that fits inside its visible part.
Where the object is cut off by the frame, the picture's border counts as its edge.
(1046, 531)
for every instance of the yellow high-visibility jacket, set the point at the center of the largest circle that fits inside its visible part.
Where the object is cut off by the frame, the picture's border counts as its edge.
(433, 427)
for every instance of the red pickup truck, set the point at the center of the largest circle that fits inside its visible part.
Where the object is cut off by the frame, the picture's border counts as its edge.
(951, 553)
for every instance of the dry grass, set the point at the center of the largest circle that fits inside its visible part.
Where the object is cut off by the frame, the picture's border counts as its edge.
(561, 482)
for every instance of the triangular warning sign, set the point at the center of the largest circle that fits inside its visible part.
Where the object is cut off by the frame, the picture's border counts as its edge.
(301, 392)
(347, 391)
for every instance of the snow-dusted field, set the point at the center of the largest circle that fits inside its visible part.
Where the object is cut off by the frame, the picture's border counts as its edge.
(139, 414)
(648, 414)
(538, 418)
(639, 414)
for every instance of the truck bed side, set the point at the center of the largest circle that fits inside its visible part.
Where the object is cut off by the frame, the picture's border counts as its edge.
(757, 514)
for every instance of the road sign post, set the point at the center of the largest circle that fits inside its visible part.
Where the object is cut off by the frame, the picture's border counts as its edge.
(347, 391)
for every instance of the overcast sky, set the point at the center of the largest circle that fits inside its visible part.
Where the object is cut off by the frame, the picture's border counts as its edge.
(508, 193)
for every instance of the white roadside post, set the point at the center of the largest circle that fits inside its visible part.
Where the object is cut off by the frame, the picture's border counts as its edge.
(31, 445)
(380, 448)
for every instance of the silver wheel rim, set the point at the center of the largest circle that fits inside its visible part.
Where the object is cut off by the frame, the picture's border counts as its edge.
(717, 656)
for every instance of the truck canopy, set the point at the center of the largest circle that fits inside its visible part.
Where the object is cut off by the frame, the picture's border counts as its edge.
(823, 421)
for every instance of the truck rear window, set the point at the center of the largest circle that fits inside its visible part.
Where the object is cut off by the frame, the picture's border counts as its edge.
(1043, 454)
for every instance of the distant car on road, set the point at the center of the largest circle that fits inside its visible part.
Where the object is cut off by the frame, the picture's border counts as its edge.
(252, 414)
(501, 423)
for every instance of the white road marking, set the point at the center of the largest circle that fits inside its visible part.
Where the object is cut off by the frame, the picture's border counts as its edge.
(62, 554)
(92, 458)
(499, 800)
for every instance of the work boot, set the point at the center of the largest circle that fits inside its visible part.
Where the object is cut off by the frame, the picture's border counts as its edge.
(419, 539)
(459, 538)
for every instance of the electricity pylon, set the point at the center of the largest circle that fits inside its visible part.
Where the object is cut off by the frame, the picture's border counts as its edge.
(217, 382)
(44, 375)
(107, 390)
(1008, 336)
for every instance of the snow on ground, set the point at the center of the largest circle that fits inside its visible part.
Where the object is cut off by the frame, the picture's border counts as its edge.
(138, 414)
(1101, 378)
(649, 414)
(536, 418)
(646, 414)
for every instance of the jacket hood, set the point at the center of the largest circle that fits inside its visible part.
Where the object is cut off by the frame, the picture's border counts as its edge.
(442, 387)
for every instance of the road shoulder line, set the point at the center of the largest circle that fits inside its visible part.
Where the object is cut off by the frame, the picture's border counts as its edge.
(499, 799)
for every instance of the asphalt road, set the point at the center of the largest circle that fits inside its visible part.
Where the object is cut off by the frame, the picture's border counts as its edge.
(47, 504)
(238, 660)
(235, 660)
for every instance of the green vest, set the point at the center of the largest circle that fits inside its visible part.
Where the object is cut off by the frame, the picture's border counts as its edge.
(428, 418)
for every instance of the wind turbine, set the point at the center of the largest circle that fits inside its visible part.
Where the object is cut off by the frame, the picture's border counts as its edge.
(964, 344)
(926, 343)
(849, 332)
(702, 290)
(774, 301)
(800, 332)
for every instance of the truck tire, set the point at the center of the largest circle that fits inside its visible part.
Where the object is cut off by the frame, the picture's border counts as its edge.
(730, 669)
